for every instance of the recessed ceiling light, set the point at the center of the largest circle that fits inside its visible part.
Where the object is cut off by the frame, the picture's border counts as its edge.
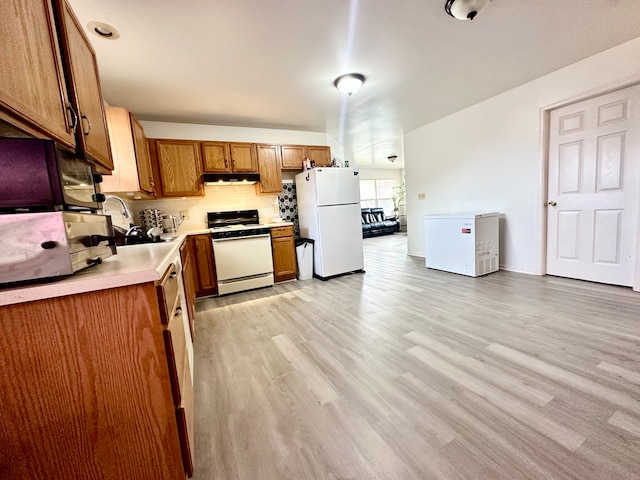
(349, 83)
(103, 30)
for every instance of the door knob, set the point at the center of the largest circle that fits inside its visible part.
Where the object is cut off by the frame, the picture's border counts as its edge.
(552, 203)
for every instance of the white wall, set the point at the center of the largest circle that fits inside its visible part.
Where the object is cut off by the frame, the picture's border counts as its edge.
(190, 131)
(489, 157)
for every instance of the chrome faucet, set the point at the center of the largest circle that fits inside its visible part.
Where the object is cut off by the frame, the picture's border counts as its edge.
(125, 211)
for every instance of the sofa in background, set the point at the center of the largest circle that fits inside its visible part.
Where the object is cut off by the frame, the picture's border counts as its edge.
(374, 223)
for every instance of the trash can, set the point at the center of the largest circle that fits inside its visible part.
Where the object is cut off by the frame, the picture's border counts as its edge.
(304, 252)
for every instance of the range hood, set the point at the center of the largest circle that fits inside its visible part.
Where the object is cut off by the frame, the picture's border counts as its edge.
(230, 178)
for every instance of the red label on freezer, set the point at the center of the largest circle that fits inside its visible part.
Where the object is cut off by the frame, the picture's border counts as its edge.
(466, 230)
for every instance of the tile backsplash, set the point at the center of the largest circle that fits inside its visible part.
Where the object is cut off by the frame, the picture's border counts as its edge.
(216, 199)
(288, 204)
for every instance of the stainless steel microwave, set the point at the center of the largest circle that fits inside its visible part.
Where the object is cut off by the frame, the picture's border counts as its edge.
(39, 175)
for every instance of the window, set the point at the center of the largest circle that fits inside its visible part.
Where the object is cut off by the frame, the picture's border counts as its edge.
(377, 193)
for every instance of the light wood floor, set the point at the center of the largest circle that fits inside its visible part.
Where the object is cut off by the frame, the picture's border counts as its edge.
(410, 373)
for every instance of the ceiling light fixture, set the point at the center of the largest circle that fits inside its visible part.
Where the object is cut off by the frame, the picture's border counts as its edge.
(465, 9)
(392, 158)
(103, 30)
(349, 83)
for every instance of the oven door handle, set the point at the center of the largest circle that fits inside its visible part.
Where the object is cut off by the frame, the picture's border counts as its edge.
(227, 239)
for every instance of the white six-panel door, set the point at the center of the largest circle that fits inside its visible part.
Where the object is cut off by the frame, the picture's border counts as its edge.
(593, 185)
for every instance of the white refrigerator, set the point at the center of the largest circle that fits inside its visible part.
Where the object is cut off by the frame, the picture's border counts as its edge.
(329, 213)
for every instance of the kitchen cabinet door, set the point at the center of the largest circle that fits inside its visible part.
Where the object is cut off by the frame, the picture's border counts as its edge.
(86, 391)
(143, 158)
(132, 173)
(33, 91)
(206, 271)
(215, 157)
(84, 85)
(292, 156)
(284, 254)
(243, 157)
(269, 168)
(319, 154)
(187, 257)
(179, 167)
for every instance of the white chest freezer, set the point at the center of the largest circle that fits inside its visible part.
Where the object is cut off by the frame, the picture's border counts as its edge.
(465, 243)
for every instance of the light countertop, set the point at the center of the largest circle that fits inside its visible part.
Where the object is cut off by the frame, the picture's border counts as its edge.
(133, 264)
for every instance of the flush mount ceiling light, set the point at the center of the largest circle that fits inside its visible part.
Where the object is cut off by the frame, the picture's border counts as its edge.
(392, 158)
(103, 30)
(349, 83)
(465, 9)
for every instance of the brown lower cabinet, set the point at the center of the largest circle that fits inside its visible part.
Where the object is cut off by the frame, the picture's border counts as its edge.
(205, 278)
(284, 253)
(90, 382)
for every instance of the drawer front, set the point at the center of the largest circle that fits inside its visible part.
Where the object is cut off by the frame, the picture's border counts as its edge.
(175, 338)
(168, 293)
(282, 232)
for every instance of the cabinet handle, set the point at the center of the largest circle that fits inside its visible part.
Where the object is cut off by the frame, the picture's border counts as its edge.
(84, 117)
(178, 312)
(73, 117)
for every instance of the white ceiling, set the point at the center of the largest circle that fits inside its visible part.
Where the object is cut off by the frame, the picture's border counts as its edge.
(271, 64)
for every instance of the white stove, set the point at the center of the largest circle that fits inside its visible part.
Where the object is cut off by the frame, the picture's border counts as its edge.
(242, 251)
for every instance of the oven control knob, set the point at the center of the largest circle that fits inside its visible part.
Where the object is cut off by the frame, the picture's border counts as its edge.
(49, 244)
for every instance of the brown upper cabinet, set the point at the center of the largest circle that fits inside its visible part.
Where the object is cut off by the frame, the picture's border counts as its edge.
(293, 155)
(33, 91)
(179, 166)
(319, 154)
(81, 66)
(132, 172)
(223, 157)
(52, 88)
(270, 169)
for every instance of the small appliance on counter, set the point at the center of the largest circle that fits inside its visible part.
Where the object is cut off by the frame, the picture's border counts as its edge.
(52, 244)
(39, 175)
(49, 226)
(170, 224)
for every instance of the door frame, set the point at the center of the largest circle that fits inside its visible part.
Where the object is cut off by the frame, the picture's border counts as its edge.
(543, 177)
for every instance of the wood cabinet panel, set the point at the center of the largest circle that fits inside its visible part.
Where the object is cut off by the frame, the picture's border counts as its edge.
(222, 157)
(86, 390)
(269, 168)
(187, 258)
(215, 157)
(243, 157)
(82, 68)
(179, 167)
(143, 158)
(284, 254)
(33, 91)
(292, 156)
(132, 170)
(319, 154)
(205, 268)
